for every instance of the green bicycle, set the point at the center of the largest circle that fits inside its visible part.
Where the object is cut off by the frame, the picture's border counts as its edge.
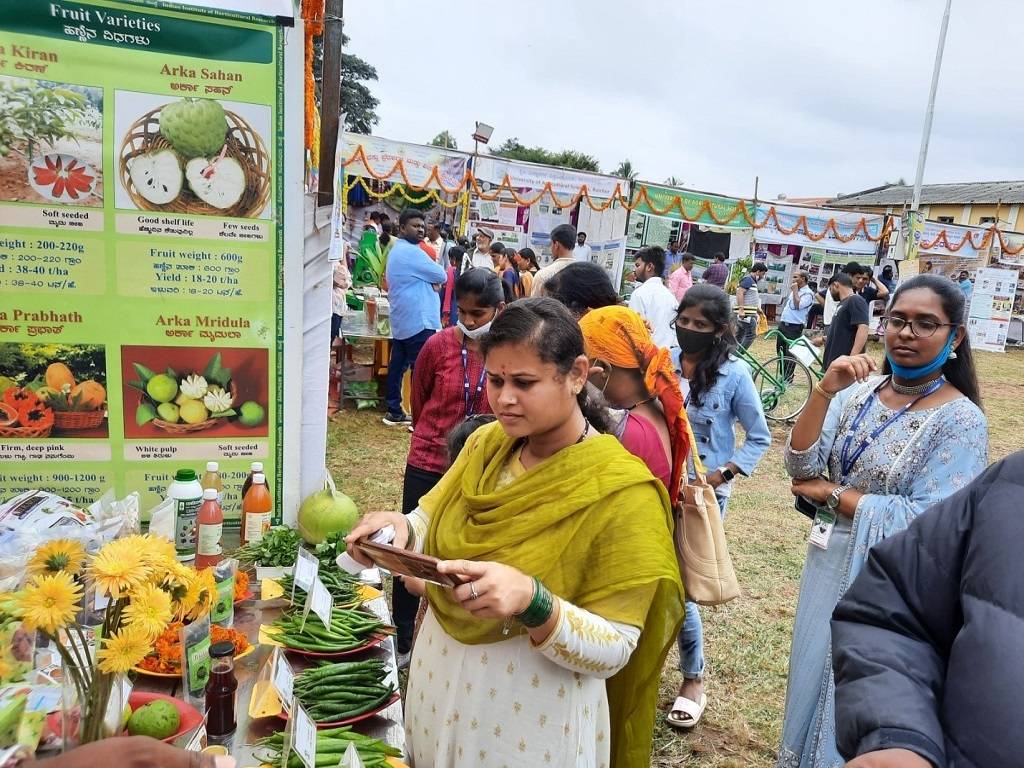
(785, 381)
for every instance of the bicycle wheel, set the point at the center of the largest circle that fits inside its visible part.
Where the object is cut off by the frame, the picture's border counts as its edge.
(784, 385)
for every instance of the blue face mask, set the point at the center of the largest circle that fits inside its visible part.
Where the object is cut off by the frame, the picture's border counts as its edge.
(924, 370)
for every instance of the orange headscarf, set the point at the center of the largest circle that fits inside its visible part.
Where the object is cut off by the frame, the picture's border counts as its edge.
(619, 335)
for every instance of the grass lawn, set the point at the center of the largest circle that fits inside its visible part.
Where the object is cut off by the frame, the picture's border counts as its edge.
(746, 642)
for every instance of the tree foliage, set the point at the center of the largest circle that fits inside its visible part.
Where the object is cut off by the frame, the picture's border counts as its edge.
(358, 104)
(444, 139)
(513, 149)
(625, 171)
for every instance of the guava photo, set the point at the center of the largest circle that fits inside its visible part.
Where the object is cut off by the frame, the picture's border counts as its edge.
(51, 142)
(183, 392)
(192, 155)
(53, 390)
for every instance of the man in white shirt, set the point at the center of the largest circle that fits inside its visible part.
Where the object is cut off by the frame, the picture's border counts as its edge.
(481, 257)
(563, 238)
(651, 299)
(582, 251)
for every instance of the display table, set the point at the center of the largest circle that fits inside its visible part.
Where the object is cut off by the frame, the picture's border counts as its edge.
(387, 726)
(354, 326)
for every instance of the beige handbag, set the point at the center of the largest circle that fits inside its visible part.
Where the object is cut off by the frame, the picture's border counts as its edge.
(704, 562)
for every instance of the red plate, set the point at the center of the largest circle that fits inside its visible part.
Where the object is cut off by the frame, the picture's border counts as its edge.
(365, 716)
(190, 717)
(374, 641)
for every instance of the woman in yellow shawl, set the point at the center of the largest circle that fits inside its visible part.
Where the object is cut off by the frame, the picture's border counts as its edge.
(549, 652)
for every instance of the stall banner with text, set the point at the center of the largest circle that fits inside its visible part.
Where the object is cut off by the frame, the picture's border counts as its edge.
(140, 247)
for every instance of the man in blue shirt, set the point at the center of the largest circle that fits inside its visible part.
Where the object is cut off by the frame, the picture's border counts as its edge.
(794, 315)
(415, 307)
(966, 285)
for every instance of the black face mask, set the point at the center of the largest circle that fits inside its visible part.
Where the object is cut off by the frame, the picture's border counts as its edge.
(695, 342)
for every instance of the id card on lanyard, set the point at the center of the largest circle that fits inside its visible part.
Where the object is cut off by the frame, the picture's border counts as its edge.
(825, 519)
(470, 402)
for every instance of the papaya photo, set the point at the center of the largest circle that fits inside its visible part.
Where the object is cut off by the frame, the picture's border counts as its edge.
(53, 390)
(192, 155)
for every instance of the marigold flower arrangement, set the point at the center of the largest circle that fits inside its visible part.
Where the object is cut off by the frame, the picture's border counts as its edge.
(148, 589)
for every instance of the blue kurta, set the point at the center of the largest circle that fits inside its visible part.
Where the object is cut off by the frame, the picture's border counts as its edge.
(923, 458)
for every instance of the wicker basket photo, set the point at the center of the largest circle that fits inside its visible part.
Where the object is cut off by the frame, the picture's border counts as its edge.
(243, 144)
(26, 431)
(72, 420)
(180, 428)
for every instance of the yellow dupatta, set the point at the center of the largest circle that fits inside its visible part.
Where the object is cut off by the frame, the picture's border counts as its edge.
(595, 526)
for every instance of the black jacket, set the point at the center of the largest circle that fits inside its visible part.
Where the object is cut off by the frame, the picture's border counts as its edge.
(928, 643)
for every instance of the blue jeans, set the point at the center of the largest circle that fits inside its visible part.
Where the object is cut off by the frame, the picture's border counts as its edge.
(691, 636)
(403, 356)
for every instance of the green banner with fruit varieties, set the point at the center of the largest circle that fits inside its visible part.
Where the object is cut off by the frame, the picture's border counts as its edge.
(140, 247)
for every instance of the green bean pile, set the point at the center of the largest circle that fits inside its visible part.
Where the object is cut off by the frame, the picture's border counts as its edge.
(350, 629)
(334, 692)
(344, 588)
(331, 744)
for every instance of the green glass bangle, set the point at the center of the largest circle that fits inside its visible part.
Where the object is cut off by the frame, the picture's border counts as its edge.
(540, 608)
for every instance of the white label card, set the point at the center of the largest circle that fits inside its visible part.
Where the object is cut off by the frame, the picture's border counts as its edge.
(351, 758)
(307, 566)
(303, 734)
(283, 678)
(323, 604)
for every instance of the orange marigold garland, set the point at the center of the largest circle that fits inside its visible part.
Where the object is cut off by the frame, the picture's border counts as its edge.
(313, 18)
(166, 656)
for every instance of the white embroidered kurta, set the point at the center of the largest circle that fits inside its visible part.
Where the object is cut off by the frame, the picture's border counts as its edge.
(512, 703)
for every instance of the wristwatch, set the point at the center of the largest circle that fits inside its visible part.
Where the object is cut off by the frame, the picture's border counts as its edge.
(832, 502)
(727, 474)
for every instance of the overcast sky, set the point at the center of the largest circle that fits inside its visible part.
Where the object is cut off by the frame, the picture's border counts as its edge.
(815, 97)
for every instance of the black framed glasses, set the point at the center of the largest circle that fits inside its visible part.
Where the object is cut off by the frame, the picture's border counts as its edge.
(922, 328)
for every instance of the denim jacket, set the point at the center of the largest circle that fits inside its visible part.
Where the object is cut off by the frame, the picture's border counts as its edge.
(732, 398)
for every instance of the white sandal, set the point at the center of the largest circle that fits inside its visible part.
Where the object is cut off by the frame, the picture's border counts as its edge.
(686, 713)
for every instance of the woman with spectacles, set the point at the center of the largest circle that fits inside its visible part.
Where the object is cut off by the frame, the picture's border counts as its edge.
(868, 454)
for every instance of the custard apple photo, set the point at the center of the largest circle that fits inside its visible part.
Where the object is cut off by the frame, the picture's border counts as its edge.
(219, 183)
(157, 176)
(194, 127)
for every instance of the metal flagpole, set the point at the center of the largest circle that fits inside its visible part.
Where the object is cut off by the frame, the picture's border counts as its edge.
(930, 113)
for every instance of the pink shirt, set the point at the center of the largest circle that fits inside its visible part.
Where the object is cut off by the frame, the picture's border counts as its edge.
(641, 438)
(679, 282)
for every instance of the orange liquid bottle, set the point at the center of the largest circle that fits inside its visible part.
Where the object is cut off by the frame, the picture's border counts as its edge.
(257, 507)
(211, 526)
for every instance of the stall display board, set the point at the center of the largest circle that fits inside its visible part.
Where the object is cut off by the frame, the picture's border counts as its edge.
(140, 247)
(775, 285)
(991, 309)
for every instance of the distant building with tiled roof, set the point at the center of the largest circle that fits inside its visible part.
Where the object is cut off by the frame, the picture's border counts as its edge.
(976, 203)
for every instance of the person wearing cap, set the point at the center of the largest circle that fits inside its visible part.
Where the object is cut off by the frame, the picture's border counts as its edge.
(563, 240)
(481, 257)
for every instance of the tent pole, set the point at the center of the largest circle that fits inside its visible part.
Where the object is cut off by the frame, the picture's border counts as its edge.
(930, 111)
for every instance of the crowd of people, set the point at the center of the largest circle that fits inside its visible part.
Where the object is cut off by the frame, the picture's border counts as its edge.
(553, 427)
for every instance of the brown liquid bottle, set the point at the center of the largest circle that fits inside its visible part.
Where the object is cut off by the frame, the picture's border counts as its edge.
(256, 466)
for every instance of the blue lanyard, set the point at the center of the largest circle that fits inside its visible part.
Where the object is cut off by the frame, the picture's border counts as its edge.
(470, 404)
(847, 461)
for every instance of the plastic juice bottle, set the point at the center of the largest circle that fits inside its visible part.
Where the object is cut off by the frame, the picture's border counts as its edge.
(188, 497)
(211, 479)
(211, 526)
(256, 466)
(256, 509)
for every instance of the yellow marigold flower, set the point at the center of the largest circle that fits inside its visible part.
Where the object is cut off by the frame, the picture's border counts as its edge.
(122, 650)
(149, 609)
(58, 555)
(156, 552)
(117, 568)
(205, 587)
(50, 602)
